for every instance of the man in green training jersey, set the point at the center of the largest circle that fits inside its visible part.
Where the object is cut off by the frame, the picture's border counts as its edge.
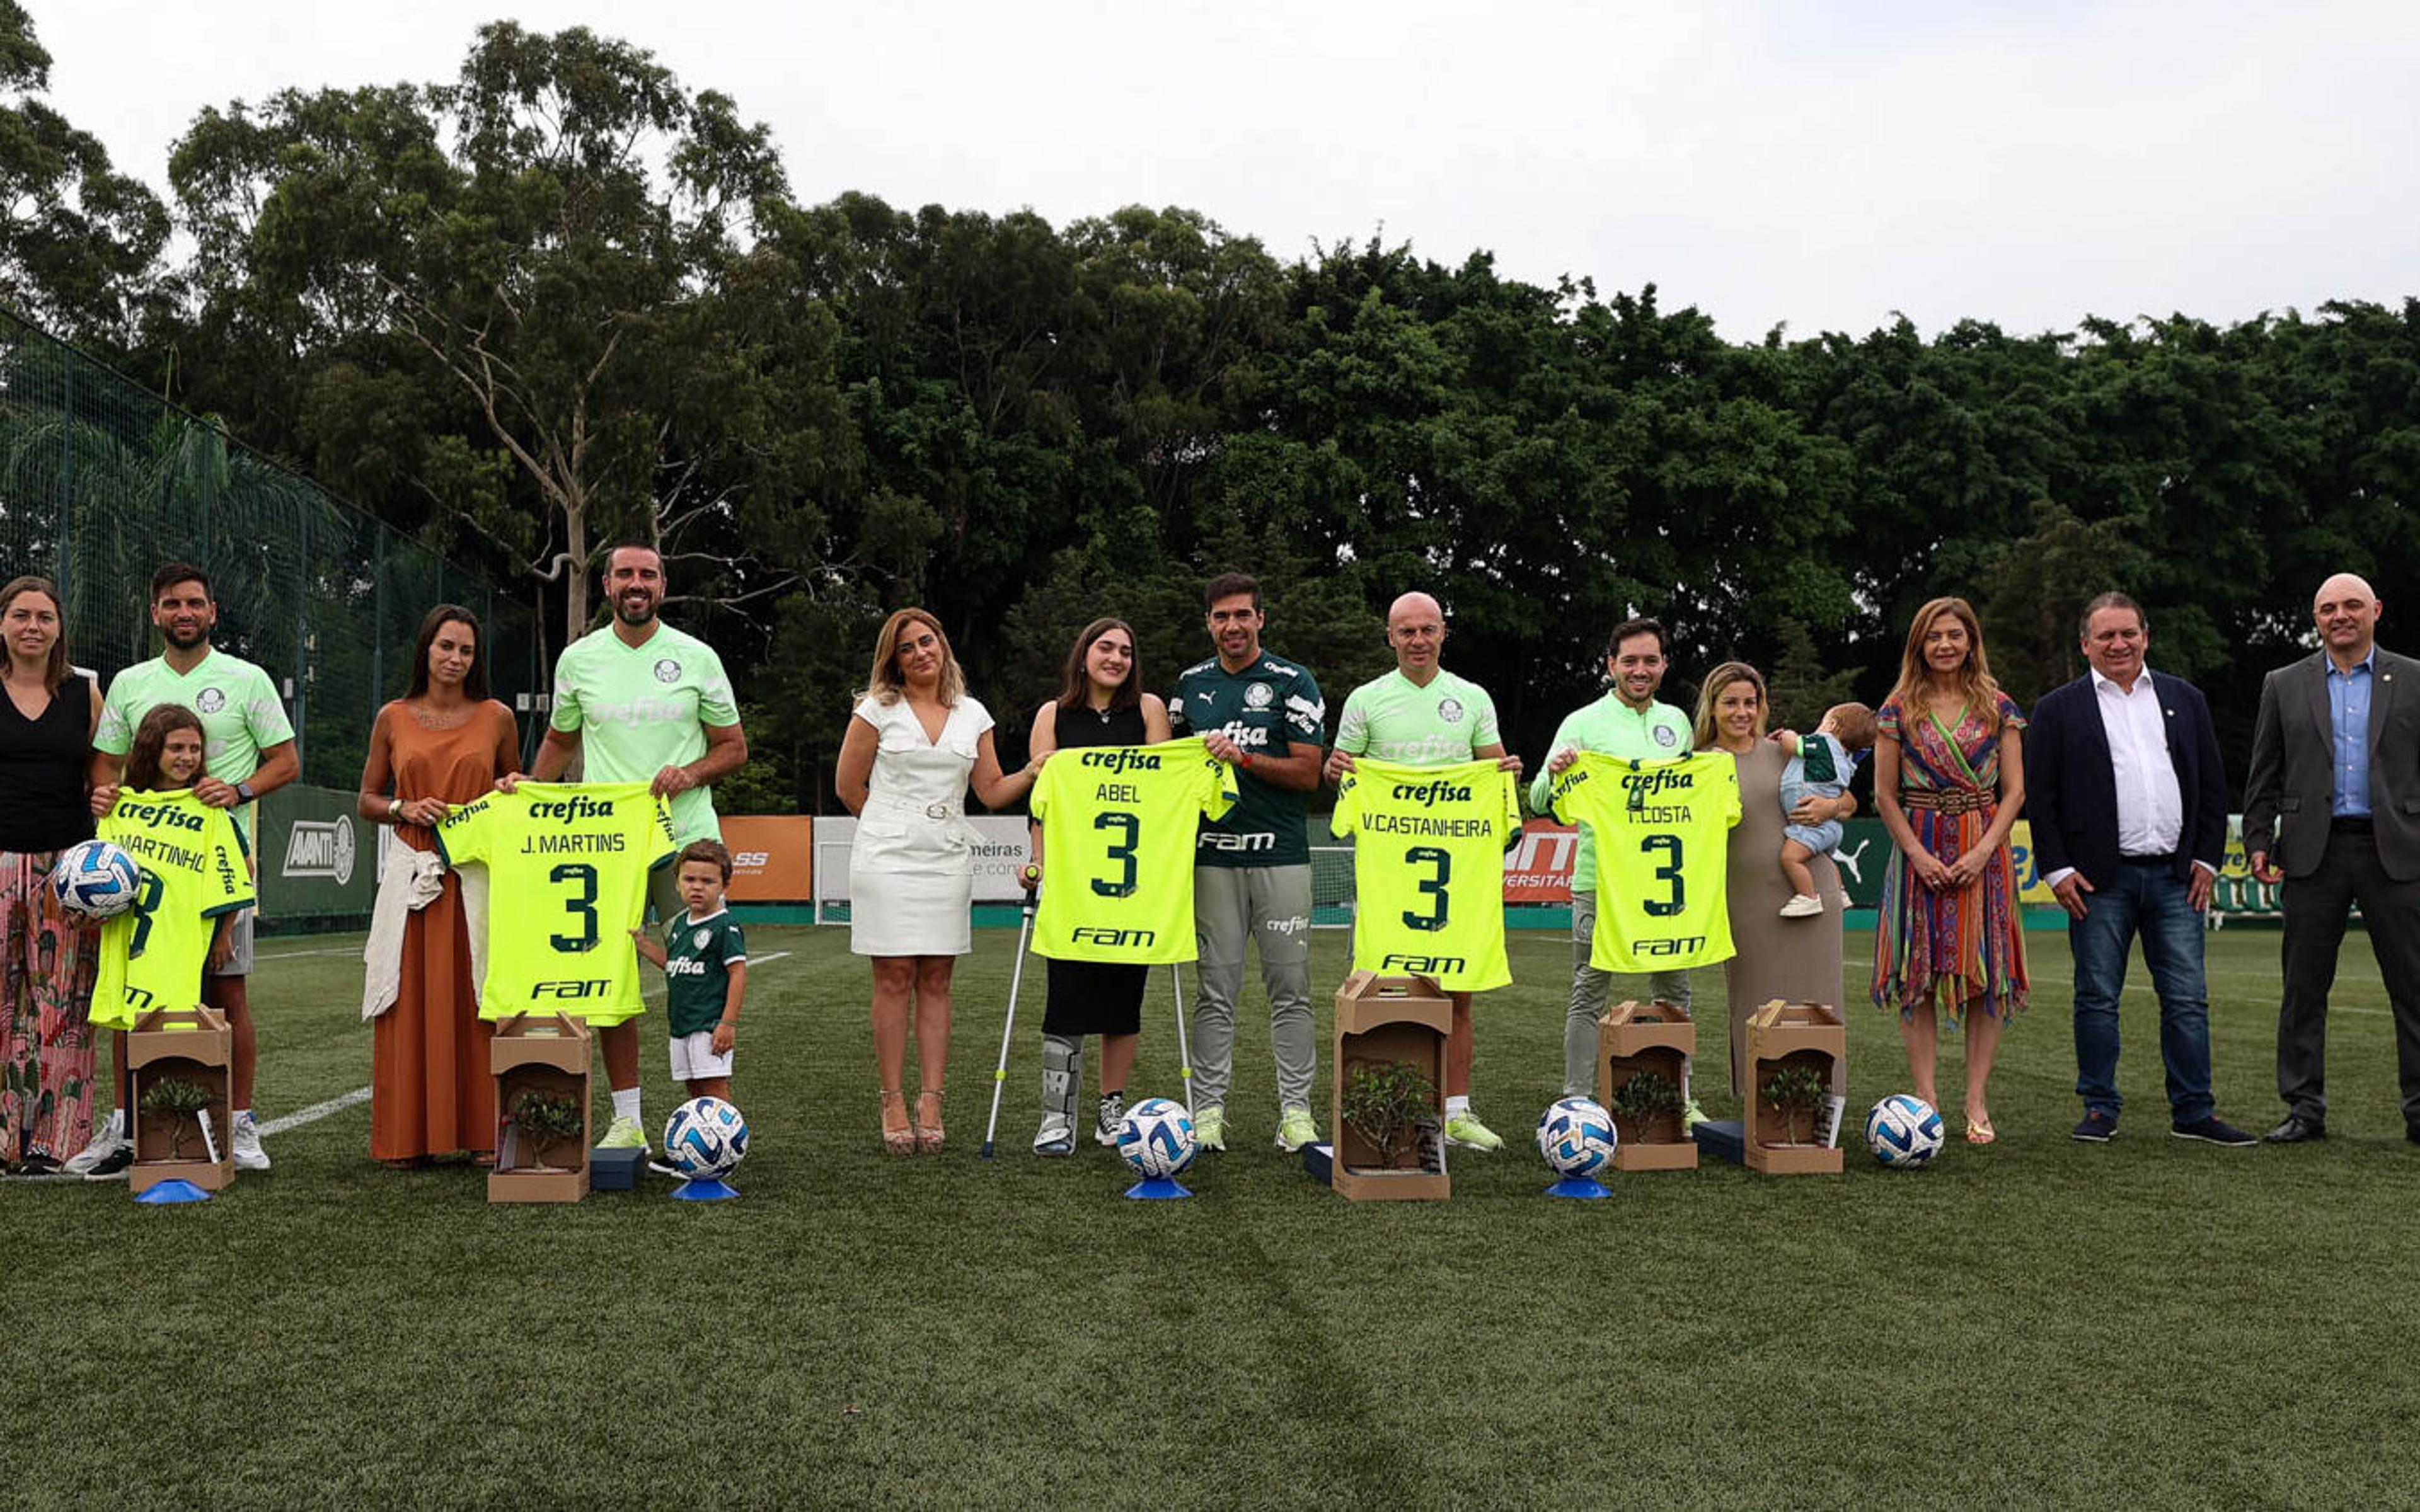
(1252, 876)
(640, 701)
(1627, 723)
(247, 752)
(1421, 715)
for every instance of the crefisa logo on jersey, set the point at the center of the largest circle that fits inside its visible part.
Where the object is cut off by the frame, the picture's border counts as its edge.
(667, 670)
(209, 701)
(321, 848)
(1432, 792)
(1122, 759)
(1449, 710)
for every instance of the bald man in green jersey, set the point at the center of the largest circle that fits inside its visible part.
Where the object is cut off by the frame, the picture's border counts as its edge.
(1421, 715)
(641, 702)
(1630, 723)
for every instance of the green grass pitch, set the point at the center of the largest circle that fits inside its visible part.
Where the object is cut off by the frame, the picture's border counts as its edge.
(2148, 1323)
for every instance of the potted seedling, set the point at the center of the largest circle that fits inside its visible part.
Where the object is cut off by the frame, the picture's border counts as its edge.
(1797, 1094)
(1647, 1108)
(1393, 1107)
(545, 1119)
(181, 1102)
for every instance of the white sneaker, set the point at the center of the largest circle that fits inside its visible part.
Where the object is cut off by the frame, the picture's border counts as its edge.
(249, 1156)
(105, 1141)
(1802, 905)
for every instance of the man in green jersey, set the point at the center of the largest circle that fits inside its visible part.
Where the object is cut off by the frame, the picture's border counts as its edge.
(640, 701)
(1630, 723)
(1421, 715)
(1251, 877)
(247, 752)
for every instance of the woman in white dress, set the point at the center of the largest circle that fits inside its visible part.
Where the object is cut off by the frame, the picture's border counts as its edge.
(915, 740)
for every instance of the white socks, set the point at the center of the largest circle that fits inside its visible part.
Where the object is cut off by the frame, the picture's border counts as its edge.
(626, 1104)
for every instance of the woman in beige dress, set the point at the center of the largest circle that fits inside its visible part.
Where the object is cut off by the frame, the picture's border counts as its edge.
(1797, 960)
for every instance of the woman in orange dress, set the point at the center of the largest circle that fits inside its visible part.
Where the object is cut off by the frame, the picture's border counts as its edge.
(443, 743)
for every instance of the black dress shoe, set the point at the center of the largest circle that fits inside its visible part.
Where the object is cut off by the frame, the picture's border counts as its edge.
(2297, 1130)
(2412, 1131)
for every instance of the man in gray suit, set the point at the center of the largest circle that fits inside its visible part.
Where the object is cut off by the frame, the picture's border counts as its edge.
(2335, 754)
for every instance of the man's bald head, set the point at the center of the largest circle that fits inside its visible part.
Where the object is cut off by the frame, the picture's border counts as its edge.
(2347, 609)
(1416, 630)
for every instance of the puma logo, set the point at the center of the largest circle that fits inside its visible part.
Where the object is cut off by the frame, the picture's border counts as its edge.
(1847, 860)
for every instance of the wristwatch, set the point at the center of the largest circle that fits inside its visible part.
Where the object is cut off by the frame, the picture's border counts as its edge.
(244, 792)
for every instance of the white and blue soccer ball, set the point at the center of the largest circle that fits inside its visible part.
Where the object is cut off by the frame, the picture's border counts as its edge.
(705, 1139)
(1156, 1139)
(1904, 1130)
(97, 879)
(1577, 1137)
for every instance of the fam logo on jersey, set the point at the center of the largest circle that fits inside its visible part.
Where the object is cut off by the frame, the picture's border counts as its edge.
(1449, 710)
(210, 701)
(667, 670)
(321, 848)
(1258, 696)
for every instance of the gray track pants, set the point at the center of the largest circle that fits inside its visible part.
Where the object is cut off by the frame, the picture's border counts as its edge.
(1592, 990)
(1234, 905)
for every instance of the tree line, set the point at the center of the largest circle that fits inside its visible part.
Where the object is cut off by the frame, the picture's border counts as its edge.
(564, 299)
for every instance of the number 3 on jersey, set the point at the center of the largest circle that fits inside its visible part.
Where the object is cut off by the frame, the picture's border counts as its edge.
(584, 907)
(1675, 898)
(1122, 851)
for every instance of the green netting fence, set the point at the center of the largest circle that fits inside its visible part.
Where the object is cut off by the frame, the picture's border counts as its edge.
(101, 481)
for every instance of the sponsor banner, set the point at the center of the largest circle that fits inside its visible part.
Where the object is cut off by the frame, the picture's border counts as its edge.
(314, 856)
(772, 857)
(1539, 868)
(1001, 851)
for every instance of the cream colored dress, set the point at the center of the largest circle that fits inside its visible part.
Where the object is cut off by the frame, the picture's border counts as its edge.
(911, 866)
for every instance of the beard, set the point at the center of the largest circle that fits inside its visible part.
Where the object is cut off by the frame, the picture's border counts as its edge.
(628, 613)
(185, 639)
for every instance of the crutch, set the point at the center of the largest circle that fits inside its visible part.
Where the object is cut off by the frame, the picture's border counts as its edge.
(1184, 1054)
(1016, 979)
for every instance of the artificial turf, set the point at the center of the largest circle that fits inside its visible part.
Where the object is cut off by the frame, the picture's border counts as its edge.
(2148, 1322)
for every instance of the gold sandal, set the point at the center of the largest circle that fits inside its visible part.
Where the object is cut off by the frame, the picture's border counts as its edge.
(898, 1137)
(929, 1132)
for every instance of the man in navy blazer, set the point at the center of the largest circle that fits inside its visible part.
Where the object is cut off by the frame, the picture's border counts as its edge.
(2127, 794)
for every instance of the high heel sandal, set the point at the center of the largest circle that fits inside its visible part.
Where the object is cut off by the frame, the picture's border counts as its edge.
(929, 1132)
(898, 1137)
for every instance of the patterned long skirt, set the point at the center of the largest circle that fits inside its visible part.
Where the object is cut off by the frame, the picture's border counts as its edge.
(48, 960)
(1963, 945)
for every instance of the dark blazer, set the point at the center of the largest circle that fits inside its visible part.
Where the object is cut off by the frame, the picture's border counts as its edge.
(2294, 755)
(2071, 788)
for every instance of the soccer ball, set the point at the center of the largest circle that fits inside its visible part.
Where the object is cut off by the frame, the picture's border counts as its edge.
(705, 1139)
(1903, 1132)
(1156, 1139)
(1577, 1137)
(97, 879)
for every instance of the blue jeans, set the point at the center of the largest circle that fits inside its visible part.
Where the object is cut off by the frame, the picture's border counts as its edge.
(2150, 901)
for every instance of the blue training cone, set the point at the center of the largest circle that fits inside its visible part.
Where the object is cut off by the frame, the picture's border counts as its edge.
(704, 1189)
(1157, 1188)
(1586, 1188)
(176, 1191)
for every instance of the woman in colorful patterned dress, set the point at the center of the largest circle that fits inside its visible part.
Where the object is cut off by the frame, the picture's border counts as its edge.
(1948, 780)
(48, 956)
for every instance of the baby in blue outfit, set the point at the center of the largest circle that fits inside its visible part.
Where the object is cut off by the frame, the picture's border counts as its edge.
(1819, 767)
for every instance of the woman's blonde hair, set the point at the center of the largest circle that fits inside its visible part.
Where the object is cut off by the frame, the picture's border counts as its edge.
(884, 685)
(1974, 680)
(1720, 678)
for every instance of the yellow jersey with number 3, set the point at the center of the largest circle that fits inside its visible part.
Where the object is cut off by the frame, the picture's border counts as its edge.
(567, 866)
(1428, 869)
(1663, 838)
(1118, 826)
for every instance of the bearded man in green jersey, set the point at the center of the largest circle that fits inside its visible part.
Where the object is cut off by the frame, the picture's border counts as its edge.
(1421, 715)
(640, 701)
(1630, 723)
(247, 752)
(1252, 876)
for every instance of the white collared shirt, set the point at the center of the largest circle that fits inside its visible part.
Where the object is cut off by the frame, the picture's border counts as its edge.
(2151, 806)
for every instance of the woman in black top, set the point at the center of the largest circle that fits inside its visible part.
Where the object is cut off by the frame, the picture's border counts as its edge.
(48, 956)
(1100, 703)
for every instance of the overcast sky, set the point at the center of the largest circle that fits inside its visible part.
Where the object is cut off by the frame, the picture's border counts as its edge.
(1814, 165)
